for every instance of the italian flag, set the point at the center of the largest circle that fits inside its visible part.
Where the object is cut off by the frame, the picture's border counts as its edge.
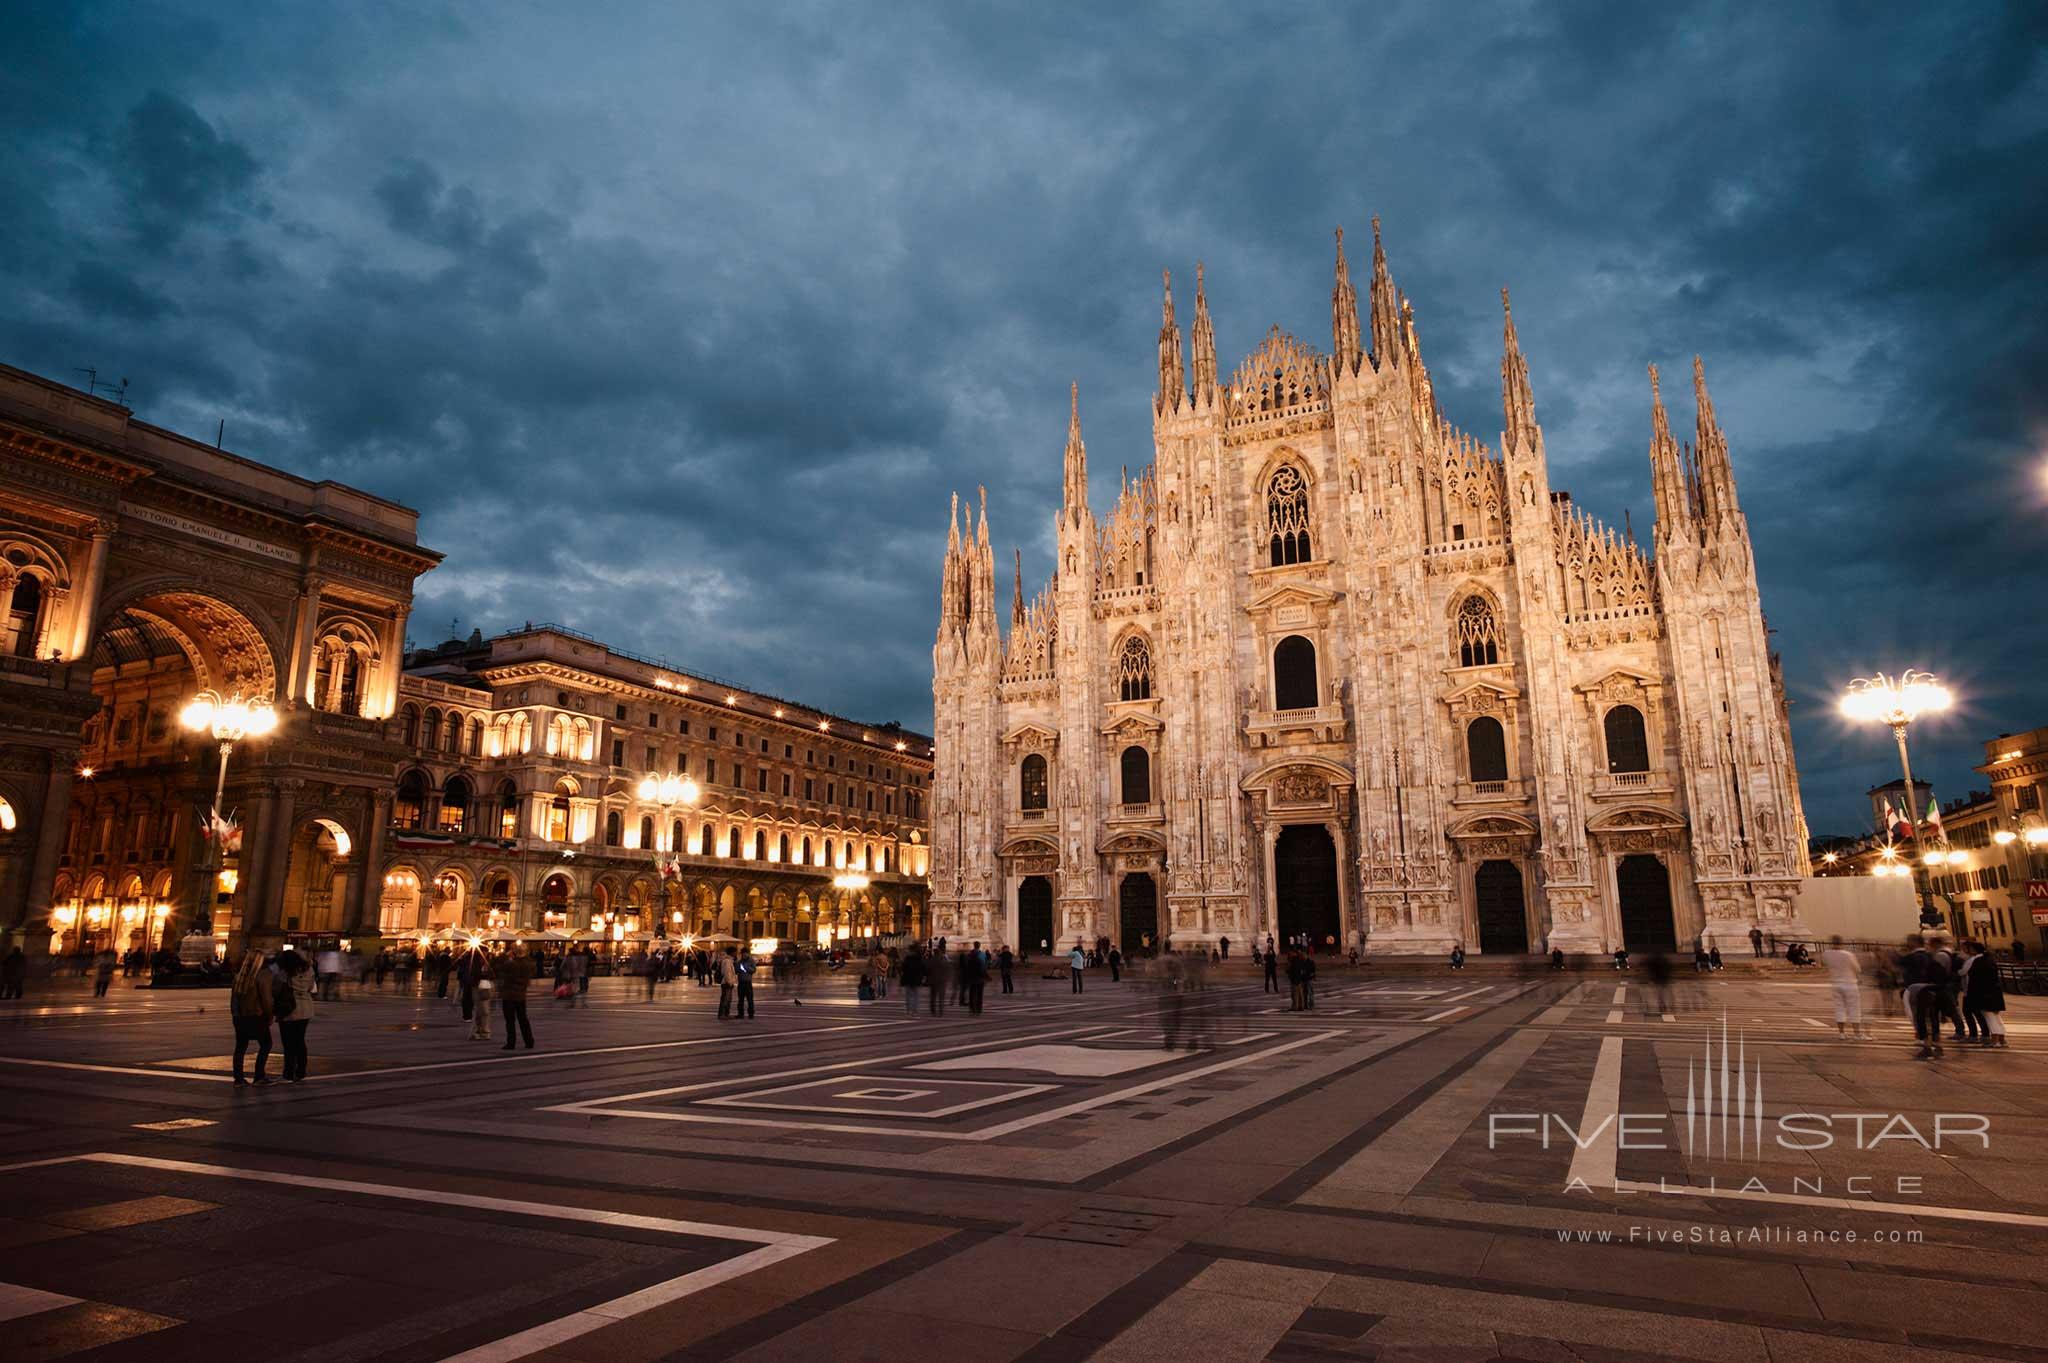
(1934, 820)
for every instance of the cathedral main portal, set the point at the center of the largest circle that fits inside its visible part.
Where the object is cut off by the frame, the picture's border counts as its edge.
(1305, 885)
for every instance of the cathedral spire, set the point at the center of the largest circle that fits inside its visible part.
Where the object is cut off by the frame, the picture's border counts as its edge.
(1517, 401)
(1345, 348)
(1076, 503)
(1386, 306)
(1173, 386)
(1017, 593)
(1667, 476)
(1204, 346)
(1717, 475)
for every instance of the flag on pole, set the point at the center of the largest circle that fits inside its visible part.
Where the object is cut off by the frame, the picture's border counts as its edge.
(1895, 825)
(226, 832)
(1934, 820)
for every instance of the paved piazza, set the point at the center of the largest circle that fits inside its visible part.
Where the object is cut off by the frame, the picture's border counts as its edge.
(1428, 1166)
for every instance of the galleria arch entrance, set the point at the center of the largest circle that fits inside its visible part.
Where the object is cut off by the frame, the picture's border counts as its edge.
(1305, 885)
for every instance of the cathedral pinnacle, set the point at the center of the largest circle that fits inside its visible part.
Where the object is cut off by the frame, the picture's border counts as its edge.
(1172, 377)
(1518, 402)
(1667, 477)
(1017, 593)
(1717, 475)
(1385, 304)
(1204, 346)
(1346, 350)
(1076, 503)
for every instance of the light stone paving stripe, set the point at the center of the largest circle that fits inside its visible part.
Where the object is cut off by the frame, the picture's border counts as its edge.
(16, 1302)
(1598, 1138)
(775, 1246)
(1232, 1312)
(1404, 1154)
(987, 1133)
(1620, 995)
(1448, 1012)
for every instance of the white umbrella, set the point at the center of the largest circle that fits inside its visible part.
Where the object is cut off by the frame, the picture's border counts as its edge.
(589, 935)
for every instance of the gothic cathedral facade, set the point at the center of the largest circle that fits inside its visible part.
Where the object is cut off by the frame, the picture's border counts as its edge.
(1334, 670)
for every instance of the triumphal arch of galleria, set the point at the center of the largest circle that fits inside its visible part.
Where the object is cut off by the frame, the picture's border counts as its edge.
(140, 568)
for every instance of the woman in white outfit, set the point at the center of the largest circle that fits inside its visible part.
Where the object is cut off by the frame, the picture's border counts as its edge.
(1845, 978)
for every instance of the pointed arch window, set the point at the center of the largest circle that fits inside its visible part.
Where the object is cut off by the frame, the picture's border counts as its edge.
(508, 810)
(1486, 749)
(24, 616)
(1031, 779)
(647, 832)
(1286, 518)
(782, 848)
(1294, 674)
(612, 830)
(1628, 743)
(707, 844)
(1477, 632)
(1134, 670)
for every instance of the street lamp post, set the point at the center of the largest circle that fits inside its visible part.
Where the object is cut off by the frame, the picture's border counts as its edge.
(230, 720)
(1897, 703)
(668, 791)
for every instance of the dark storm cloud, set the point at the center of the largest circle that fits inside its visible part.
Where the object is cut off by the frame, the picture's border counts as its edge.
(680, 325)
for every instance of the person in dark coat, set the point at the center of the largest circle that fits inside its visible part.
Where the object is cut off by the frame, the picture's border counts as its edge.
(1984, 996)
(513, 973)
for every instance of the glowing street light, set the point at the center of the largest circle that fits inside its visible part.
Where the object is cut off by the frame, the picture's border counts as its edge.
(229, 720)
(1897, 703)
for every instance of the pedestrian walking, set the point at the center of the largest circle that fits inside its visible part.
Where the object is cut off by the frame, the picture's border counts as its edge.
(297, 996)
(1224, 945)
(1272, 968)
(480, 995)
(938, 977)
(973, 977)
(1077, 961)
(103, 972)
(1756, 942)
(1657, 967)
(513, 973)
(743, 995)
(1922, 977)
(13, 972)
(728, 982)
(251, 1003)
(1845, 981)
(1116, 964)
(911, 976)
(1005, 962)
(1984, 997)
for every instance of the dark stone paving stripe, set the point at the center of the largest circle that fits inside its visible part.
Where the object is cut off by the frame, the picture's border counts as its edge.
(1661, 1306)
(766, 1326)
(1322, 1166)
(1118, 1311)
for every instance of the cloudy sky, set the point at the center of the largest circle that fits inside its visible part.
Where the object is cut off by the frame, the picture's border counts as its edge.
(679, 323)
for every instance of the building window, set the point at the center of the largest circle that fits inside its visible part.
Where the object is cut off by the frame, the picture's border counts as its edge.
(411, 716)
(760, 846)
(706, 841)
(476, 735)
(508, 810)
(805, 847)
(1294, 674)
(24, 616)
(785, 783)
(1478, 633)
(558, 816)
(810, 789)
(710, 771)
(782, 848)
(653, 758)
(761, 780)
(1486, 749)
(1134, 670)
(1032, 783)
(410, 806)
(1137, 775)
(647, 832)
(1286, 519)
(455, 806)
(732, 843)
(1628, 746)
(618, 752)
(611, 828)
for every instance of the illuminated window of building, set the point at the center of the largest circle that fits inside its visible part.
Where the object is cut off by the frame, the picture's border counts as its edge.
(508, 810)
(455, 796)
(410, 806)
(1033, 786)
